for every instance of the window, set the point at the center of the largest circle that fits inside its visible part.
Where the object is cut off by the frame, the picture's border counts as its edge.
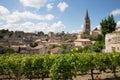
(113, 49)
(117, 48)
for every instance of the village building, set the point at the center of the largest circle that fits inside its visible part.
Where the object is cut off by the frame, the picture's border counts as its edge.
(82, 42)
(95, 33)
(56, 50)
(51, 34)
(16, 47)
(112, 42)
(4, 43)
(19, 34)
(118, 29)
(41, 34)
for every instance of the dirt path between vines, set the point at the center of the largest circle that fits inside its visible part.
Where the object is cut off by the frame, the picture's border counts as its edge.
(97, 76)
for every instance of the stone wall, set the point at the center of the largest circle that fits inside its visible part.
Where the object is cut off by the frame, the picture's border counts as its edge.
(112, 42)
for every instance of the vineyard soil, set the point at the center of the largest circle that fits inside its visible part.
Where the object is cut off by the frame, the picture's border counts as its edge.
(98, 76)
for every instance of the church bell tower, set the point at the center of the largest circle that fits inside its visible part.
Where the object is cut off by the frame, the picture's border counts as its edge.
(86, 28)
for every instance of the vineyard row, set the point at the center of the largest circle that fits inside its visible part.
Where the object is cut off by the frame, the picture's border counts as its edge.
(58, 67)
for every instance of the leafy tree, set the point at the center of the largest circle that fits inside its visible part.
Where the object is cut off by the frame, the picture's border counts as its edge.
(34, 44)
(66, 48)
(108, 25)
(8, 50)
(11, 33)
(98, 46)
(65, 37)
(3, 31)
(54, 46)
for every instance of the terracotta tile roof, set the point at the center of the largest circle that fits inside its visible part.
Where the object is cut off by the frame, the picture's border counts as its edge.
(38, 40)
(39, 46)
(18, 46)
(82, 40)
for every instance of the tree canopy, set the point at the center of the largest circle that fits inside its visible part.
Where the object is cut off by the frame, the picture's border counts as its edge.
(34, 44)
(108, 25)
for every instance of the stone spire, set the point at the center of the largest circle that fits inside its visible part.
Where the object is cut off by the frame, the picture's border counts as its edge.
(87, 16)
(86, 28)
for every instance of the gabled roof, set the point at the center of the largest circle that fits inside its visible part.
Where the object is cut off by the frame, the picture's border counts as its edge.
(96, 29)
(82, 40)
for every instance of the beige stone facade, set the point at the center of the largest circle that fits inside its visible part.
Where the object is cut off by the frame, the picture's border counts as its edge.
(95, 33)
(112, 42)
(82, 42)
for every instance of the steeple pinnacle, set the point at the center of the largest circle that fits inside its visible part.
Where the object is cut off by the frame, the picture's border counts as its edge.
(87, 16)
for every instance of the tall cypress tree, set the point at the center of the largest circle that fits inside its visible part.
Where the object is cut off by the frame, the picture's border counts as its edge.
(108, 25)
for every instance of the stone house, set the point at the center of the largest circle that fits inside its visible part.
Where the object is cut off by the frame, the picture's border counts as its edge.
(82, 42)
(41, 34)
(42, 49)
(112, 42)
(95, 33)
(16, 46)
(51, 34)
(56, 50)
(118, 28)
(19, 34)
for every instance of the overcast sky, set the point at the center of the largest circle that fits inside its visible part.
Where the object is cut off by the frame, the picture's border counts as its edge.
(55, 15)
